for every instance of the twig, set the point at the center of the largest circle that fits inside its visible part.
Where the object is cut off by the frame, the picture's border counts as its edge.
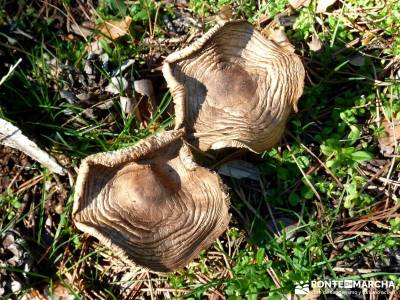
(12, 68)
(273, 275)
(12, 136)
(323, 164)
(352, 270)
(151, 290)
(366, 233)
(228, 265)
(307, 180)
(364, 221)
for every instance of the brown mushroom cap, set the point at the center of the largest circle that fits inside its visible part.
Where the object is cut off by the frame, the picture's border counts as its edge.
(234, 88)
(151, 202)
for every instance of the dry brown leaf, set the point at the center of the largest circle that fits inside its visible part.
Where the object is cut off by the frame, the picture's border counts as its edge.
(390, 138)
(116, 29)
(323, 5)
(315, 44)
(117, 85)
(368, 36)
(145, 88)
(299, 3)
(128, 104)
(34, 294)
(84, 30)
(94, 47)
(59, 292)
(285, 20)
(225, 12)
(239, 169)
(146, 99)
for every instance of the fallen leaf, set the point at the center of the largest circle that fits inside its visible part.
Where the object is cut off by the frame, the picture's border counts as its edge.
(282, 227)
(125, 65)
(357, 60)
(315, 44)
(299, 3)
(390, 137)
(116, 85)
(34, 294)
(323, 5)
(239, 169)
(116, 29)
(225, 12)
(69, 96)
(146, 99)
(285, 20)
(128, 104)
(60, 292)
(145, 88)
(367, 37)
(84, 30)
(94, 47)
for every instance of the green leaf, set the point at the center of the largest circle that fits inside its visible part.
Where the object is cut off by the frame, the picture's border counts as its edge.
(326, 150)
(330, 163)
(260, 256)
(361, 156)
(354, 134)
(16, 204)
(283, 173)
(303, 161)
(104, 45)
(330, 147)
(141, 15)
(294, 199)
(306, 192)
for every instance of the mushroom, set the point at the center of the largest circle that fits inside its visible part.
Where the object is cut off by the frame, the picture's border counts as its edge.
(151, 202)
(234, 88)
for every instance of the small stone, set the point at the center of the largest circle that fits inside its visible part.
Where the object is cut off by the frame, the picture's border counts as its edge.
(15, 286)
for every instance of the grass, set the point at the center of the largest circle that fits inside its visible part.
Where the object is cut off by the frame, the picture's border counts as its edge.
(324, 179)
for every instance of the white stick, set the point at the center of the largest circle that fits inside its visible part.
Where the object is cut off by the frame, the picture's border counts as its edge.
(12, 136)
(12, 68)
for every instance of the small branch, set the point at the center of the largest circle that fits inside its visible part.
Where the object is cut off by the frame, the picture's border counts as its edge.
(12, 136)
(12, 68)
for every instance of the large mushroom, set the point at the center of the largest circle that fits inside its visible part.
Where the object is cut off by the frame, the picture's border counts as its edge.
(234, 88)
(151, 202)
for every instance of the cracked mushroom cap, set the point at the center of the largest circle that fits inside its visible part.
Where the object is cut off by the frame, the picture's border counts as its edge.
(234, 88)
(150, 202)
